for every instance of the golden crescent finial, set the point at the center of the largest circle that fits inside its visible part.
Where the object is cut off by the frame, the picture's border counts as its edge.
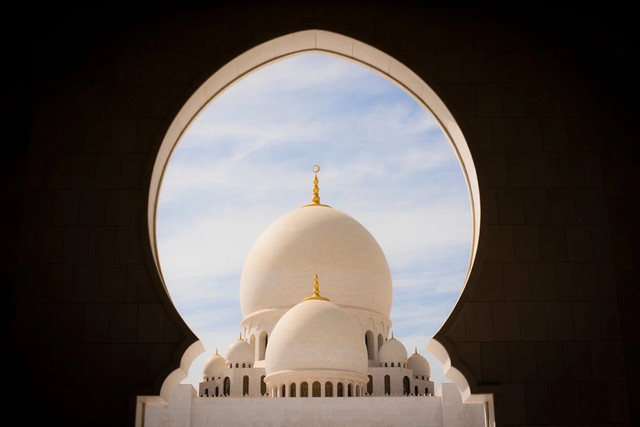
(316, 290)
(315, 200)
(316, 168)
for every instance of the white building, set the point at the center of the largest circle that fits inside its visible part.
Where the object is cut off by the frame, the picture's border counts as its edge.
(333, 345)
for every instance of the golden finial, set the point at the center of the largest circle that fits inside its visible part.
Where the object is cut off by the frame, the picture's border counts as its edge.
(416, 351)
(392, 336)
(217, 352)
(315, 200)
(316, 290)
(240, 335)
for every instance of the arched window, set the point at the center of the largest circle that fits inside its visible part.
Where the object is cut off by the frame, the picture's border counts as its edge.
(206, 392)
(237, 365)
(423, 377)
(262, 345)
(315, 389)
(304, 389)
(392, 365)
(349, 390)
(245, 385)
(226, 386)
(385, 364)
(263, 386)
(416, 390)
(387, 385)
(328, 389)
(216, 391)
(370, 386)
(244, 365)
(380, 341)
(370, 343)
(406, 386)
(292, 390)
(284, 391)
(340, 390)
(426, 391)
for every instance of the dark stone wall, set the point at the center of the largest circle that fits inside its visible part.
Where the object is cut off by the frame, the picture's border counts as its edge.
(545, 98)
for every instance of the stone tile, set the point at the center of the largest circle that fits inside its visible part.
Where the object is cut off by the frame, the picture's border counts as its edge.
(150, 323)
(529, 134)
(489, 100)
(522, 362)
(599, 281)
(610, 321)
(102, 244)
(526, 243)
(474, 66)
(76, 244)
(560, 320)
(552, 243)
(133, 169)
(539, 100)
(465, 97)
(520, 170)
(517, 284)
(66, 323)
(85, 283)
(539, 401)
(123, 324)
(506, 323)
(562, 206)
(492, 170)
(505, 134)
(139, 286)
(549, 361)
(591, 206)
(514, 407)
(618, 399)
(592, 163)
(567, 408)
(543, 281)
(601, 241)
(95, 326)
(571, 169)
(91, 207)
(514, 101)
(594, 406)
(171, 334)
(112, 284)
(554, 135)
(545, 169)
(607, 361)
(501, 239)
(536, 206)
(533, 321)
(577, 360)
(495, 362)
(118, 207)
(82, 171)
(489, 205)
(123, 135)
(108, 169)
(469, 354)
(450, 66)
(570, 285)
(479, 326)
(586, 317)
(128, 245)
(579, 246)
(510, 206)
(488, 285)
(135, 363)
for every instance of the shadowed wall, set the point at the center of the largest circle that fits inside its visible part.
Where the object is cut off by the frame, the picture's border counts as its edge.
(544, 98)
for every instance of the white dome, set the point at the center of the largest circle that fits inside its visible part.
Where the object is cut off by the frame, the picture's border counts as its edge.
(316, 239)
(214, 366)
(392, 351)
(419, 365)
(316, 335)
(240, 351)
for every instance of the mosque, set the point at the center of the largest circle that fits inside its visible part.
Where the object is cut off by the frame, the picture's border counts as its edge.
(315, 295)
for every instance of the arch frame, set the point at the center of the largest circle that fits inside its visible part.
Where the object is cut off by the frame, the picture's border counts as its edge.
(344, 47)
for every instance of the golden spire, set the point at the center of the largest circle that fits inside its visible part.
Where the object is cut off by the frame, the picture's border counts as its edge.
(315, 200)
(316, 291)
(217, 352)
(240, 336)
(392, 336)
(416, 351)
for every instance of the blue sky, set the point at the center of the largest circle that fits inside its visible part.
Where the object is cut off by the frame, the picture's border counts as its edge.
(247, 158)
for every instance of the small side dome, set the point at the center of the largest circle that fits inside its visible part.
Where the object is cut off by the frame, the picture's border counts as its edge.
(240, 351)
(392, 351)
(214, 366)
(419, 365)
(316, 335)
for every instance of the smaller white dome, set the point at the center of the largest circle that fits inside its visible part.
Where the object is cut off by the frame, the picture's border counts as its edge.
(240, 351)
(392, 351)
(419, 365)
(214, 366)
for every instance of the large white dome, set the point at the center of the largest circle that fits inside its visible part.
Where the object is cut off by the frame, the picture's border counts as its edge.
(240, 351)
(316, 239)
(316, 335)
(214, 366)
(419, 365)
(392, 351)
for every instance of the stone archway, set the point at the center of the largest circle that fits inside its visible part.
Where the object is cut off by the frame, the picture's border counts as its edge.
(346, 48)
